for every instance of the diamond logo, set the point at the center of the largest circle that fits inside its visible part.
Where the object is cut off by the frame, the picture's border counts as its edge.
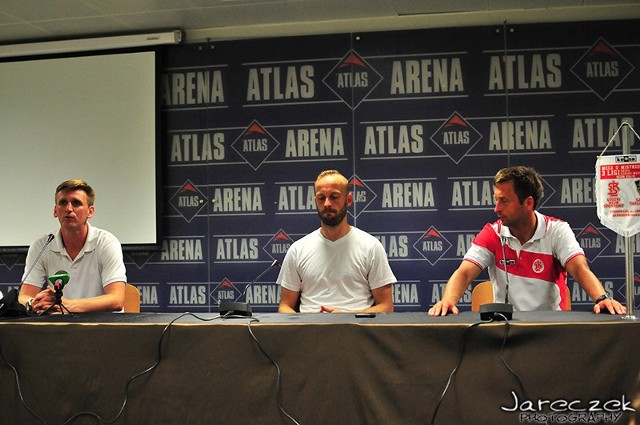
(602, 68)
(278, 246)
(352, 79)
(225, 291)
(592, 241)
(255, 145)
(456, 137)
(188, 201)
(363, 196)
(432, 245)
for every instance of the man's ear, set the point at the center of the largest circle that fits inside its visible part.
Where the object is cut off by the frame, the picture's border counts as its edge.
(349, 199)
(529, 202)
(91, 211)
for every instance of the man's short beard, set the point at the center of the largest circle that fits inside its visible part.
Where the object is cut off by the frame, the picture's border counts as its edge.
(333, 221)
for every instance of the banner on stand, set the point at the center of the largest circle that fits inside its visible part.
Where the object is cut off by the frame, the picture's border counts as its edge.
(618, 193)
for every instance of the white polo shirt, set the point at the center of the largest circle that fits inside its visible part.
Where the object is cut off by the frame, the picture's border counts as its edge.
(98, 264)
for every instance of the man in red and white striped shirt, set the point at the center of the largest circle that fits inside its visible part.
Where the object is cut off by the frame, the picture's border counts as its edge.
(537, 251)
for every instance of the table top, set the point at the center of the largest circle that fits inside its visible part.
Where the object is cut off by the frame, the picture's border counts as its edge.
(389, 319)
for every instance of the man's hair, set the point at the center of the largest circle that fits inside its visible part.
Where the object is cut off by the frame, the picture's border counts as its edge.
(326, 173)
(526, 182)
(76, 184)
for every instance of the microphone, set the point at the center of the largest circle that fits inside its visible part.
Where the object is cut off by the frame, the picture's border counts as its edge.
(500, 311)
(239, 308)
(10, 305)
(26, 276)
(59, 280)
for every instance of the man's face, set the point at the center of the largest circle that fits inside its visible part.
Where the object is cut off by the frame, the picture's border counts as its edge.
(72, 209)
(508, 208)
(332, 200)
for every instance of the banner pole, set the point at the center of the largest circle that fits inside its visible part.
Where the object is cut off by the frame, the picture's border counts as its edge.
(628, 248)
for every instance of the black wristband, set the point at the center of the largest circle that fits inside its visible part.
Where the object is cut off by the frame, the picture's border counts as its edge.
(601, 298)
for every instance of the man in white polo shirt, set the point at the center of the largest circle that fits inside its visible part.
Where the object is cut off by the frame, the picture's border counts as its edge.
(91, 257)
(537, 251)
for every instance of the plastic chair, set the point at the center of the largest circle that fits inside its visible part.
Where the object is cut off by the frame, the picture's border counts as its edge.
(131, 299)
(482, 293)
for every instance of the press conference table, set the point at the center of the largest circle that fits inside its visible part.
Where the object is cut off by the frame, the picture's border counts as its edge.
(335, 368)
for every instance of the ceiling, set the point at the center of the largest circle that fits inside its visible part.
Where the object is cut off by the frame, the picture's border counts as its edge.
(39, 20)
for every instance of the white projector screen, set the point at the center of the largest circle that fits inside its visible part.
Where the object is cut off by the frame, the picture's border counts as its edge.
(87, 117)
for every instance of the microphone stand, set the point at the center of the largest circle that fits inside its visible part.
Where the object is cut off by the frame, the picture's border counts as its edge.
(11, 305)
(58, 302)
(499, 311)
(59, 280)
(242, 309)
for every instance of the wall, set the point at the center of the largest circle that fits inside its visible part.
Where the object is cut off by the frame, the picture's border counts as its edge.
(418, 120)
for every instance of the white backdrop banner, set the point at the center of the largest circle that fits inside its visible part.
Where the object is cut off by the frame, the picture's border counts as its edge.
(618, 193)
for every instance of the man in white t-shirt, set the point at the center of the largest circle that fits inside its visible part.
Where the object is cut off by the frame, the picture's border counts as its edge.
(337, 268)
(91, 257)
(535, 250)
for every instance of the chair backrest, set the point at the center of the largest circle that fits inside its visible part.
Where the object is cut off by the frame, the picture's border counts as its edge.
(482, 293)
(131, 299)
(567, 298)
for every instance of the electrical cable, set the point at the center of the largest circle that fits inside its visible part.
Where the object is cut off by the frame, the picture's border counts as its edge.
(457, 365)
(22, 400)
(279, 373)
(126, 391)
(453, 372)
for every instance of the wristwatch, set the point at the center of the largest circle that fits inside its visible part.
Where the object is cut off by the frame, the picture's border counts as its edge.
(29, 307)
(601, 298)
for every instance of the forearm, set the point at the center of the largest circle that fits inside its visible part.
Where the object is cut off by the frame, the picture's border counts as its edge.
(455, 288)
(284, 308)
(380, 308)
(591, 285)
(580, 271)
(288, 301)
(111, 300)
(106, 302)
(26, 293)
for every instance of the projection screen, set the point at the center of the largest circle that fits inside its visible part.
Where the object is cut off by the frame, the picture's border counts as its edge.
(89, 117)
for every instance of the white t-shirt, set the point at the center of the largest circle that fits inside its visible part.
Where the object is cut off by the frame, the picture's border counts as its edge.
(98, 264)
(339, 274)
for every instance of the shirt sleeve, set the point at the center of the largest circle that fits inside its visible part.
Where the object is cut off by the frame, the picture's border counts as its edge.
(380, 273)
(288, 277)
(112, 268)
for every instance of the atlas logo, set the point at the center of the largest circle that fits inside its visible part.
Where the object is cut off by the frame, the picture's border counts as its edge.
(602, 68)
(592, 241)
(352, 79)
(140, 258)
(255, 145)
(278, 246)
(188, 201)
(225, 291)
(432, 245)
(10, 260)
(362, 195)
(456, 137)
